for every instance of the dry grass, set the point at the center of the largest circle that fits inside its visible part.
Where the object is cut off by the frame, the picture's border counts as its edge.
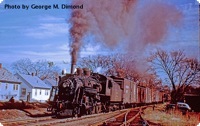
(171, 118)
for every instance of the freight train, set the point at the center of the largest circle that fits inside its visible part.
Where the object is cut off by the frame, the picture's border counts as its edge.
(88, 93)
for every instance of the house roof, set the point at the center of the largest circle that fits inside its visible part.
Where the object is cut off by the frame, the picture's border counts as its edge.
(34, 81)
(8, 77)
(50, 82)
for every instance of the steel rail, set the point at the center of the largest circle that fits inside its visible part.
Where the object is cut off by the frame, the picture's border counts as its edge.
(130, 120)
(110, 119)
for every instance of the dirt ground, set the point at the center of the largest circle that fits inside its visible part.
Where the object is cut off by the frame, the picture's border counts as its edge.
(12, 114)
(18, 111)
(170, 118)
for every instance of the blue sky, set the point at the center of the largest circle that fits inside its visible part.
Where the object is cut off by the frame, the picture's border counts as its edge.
(44, 34)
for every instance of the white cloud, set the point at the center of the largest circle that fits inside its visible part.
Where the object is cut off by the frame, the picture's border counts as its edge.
(91, 48)
(40, 53)
(55, 56)
(46, 30)
(64, 47)
(22, 46)
(49, 18)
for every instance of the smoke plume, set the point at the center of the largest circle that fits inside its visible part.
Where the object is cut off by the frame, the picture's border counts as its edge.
(114, 22)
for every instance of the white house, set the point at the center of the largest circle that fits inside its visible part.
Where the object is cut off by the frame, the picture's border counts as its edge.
(33, 88)
(9, 85)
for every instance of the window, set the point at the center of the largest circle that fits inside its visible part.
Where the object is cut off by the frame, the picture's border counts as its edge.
(35, 92)
(6, 86)
(15, 87)
(46, 92)
(23, 91)
(40, 91)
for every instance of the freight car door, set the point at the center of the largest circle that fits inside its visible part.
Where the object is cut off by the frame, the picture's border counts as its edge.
(116, 92)
(127, 91)
(133, 92)
(120, 87)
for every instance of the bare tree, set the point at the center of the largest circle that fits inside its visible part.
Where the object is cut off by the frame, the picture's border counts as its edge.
(180, 70)
(95, 63)
(41, 68)
(23, 66)
(122, 65)
(111, 65)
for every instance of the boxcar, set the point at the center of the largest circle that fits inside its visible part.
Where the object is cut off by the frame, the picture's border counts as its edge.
(129, 90)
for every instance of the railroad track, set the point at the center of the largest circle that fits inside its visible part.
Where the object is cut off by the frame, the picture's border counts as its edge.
(131, 117)
(126, 117)
(48, 121)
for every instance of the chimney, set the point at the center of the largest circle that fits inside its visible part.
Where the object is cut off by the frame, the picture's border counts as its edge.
(0, 65)
(32, 74)
(73, 68)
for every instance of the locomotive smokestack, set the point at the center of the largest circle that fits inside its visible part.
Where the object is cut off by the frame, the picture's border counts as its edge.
(73, 68)
(73, 57)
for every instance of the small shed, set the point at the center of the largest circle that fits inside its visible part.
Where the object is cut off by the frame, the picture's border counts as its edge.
(194, 101)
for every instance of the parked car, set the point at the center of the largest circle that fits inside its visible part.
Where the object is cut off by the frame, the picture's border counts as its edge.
(183, 106)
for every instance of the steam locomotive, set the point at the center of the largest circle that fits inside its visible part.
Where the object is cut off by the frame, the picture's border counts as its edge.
(86, 93)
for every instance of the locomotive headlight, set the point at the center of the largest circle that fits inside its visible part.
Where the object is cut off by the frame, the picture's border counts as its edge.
(67, 83)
